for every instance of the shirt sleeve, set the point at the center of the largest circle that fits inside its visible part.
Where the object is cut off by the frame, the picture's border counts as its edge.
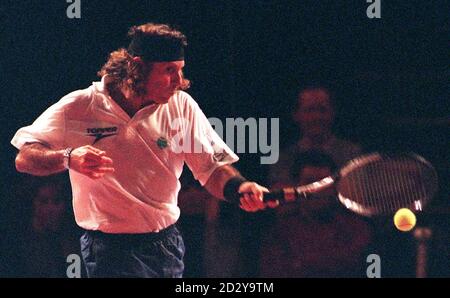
(47, 129)
(206, 150)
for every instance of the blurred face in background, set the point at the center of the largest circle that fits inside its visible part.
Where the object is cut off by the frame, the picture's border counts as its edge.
(315, 114)
(48, 209)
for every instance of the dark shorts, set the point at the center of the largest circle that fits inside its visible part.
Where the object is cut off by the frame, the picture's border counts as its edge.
(133, 255)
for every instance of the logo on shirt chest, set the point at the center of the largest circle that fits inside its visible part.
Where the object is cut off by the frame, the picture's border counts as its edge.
(162, 143)
(101, 132)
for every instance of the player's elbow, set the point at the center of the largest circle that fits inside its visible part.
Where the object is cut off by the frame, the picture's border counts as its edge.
(21, 163)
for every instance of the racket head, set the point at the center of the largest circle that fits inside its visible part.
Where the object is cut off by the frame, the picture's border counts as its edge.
(380, 184)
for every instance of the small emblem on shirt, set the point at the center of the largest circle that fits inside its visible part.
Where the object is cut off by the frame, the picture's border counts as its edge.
(101, 132)
(162, 143)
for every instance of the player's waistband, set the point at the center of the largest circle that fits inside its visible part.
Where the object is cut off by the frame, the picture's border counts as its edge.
(152, 236)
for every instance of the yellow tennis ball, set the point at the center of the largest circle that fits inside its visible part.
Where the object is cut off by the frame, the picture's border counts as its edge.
(404, 220)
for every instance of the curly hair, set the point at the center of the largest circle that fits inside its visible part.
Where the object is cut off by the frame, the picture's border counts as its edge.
(125, 72)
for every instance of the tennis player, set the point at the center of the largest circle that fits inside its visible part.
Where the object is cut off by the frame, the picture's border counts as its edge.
(120, 139)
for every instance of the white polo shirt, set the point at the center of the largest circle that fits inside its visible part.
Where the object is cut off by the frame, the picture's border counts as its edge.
(148, 151)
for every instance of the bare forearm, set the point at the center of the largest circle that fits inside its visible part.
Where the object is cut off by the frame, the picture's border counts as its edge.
(219, 178)
(39, 160)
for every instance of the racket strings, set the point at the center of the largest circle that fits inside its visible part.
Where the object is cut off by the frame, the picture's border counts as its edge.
(387, 185)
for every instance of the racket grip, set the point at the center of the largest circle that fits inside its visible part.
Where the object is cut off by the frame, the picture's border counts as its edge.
(284, 195)
(271, 196)
(274, 195)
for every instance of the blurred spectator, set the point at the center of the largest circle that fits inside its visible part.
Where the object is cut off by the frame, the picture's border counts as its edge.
(213, 249)
(193, 201)
(50, 233)
(223, 240)
(314, 114)
(316, 237)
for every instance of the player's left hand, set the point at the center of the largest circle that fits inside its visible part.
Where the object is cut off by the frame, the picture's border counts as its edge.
(252, 197)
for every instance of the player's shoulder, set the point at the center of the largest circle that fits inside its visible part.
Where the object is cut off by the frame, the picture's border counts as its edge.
(77, 99)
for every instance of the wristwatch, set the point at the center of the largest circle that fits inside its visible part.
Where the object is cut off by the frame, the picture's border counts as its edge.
(66, 155)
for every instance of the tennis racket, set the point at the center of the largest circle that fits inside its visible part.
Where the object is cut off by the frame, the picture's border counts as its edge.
(373, 184)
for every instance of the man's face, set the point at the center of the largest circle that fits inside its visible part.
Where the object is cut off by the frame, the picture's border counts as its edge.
(315, 113)
(164, 79)
(48, 211)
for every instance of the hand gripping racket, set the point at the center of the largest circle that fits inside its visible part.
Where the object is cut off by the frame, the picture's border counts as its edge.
(374, 184)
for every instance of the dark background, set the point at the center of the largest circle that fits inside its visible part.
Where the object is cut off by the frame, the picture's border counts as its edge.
(249, 59)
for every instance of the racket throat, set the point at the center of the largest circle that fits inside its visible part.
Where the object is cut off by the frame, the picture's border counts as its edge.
(293, 194)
